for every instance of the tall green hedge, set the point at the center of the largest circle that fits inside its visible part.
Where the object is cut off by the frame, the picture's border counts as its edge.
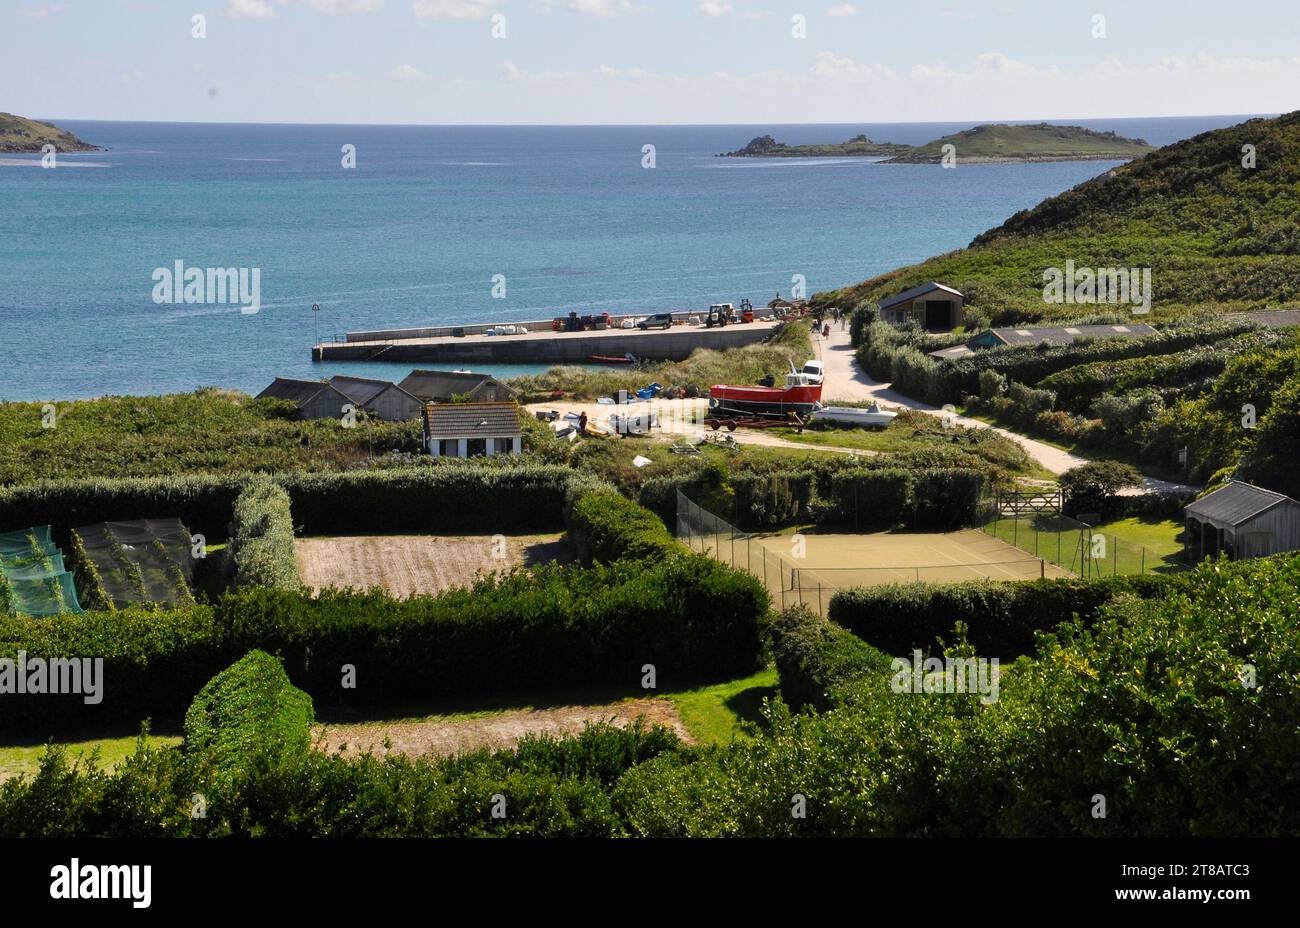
(250, 710)
(818, 660)
(606, 526)
(260, 551)
(691, 617)
(450, 498)
(1002, 617)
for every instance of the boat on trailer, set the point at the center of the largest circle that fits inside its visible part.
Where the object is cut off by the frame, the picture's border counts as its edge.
(800, 395)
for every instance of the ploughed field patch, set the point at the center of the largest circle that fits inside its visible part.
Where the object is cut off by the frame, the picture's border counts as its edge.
(446, 735)
(404, 565)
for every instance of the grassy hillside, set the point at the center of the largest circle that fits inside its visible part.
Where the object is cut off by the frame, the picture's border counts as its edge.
(1041, 142)
(27, 135)
(767, 147)
(1215, 234)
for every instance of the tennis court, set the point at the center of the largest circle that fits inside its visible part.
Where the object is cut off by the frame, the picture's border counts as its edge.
(844, 560)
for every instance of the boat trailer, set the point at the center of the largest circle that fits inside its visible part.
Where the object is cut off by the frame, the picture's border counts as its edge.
(733, 420)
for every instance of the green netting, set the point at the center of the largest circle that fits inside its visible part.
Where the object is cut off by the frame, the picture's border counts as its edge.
(47, 596)
(34, 568)
(20, 542)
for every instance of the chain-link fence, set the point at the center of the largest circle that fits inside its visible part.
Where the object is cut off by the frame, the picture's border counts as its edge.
(1068, 543)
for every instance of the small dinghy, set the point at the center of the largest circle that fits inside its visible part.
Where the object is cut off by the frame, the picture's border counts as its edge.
(872, 417)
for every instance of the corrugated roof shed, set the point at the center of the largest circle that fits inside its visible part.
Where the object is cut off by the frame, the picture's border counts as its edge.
(1235, 504)
(908, 295)
(1065, 335)
(471, 420)
(951, 354)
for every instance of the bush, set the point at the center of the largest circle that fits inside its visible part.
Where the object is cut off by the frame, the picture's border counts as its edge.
(884, 498)
(818, 660)
(91, 592)
(1001, 617)
(1092, 487)
(606, 526)
(261, 551)
(249, 711)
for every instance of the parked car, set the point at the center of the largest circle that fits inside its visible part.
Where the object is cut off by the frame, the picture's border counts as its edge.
(815, 370)
(657, 321)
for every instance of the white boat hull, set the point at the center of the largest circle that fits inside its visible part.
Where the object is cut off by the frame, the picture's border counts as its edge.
(848, 415)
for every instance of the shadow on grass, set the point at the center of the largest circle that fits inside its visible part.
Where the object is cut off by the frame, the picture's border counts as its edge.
(748, 704)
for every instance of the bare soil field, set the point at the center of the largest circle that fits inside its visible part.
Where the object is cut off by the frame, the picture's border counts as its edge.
(407, 564)
(444, 736)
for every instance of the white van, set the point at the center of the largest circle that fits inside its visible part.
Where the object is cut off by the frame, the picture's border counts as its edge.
(815, 371)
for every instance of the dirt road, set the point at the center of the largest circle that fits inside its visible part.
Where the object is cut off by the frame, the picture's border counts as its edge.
(846, 380)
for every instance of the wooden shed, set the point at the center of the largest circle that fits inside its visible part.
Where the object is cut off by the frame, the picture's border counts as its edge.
(315, 399)
(382, 398)
(1242, 521)
(931, 306)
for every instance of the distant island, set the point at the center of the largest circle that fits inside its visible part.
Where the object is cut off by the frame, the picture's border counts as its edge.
(27, 135)
(859, 146)
(1041, 142)
(985, 144)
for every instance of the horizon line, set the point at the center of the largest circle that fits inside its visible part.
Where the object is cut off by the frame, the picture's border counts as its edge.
(656, 125)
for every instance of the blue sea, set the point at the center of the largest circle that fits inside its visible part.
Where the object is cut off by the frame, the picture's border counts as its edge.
(416, 233)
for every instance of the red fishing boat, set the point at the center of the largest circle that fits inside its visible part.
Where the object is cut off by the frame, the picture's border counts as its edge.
(799, 395)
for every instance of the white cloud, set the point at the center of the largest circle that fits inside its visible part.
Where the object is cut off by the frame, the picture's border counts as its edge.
(248, 9)
(844, 9)
(406, 72)
(344, 7)
(716, 7)
(601, 7)
(452, 9)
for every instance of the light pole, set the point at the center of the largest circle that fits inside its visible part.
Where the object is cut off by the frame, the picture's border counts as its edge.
(315, 319)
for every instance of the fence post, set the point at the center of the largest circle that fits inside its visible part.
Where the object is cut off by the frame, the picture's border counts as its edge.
(1042, 569)
(1144, 559)
(819, 598)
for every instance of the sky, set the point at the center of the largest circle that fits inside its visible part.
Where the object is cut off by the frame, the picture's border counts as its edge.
(643, 62)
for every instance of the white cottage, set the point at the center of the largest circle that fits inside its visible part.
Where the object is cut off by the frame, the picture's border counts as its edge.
(467, 430)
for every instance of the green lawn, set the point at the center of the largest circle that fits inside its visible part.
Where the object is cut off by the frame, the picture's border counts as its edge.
(22, 759)
(1132, 545)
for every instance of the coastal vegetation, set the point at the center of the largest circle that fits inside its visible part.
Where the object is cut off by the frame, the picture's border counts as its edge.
(1040, 142)
(27, 135)
(764, 146)
(1217, 235)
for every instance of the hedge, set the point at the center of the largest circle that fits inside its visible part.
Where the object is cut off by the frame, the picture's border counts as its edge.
(944, 497)
(248, 711)
(260, 552)
(606, 526)
(1001, 617)
(690, 616)
(817, 660)
(447, 499)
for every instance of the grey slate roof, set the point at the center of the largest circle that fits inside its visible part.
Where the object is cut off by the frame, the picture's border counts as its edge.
(445, 384)
(471, 420)
(361, 390)
(1235, 504)
(1065, 335)
(908, 295)
(1270, 318)
(297, 391)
